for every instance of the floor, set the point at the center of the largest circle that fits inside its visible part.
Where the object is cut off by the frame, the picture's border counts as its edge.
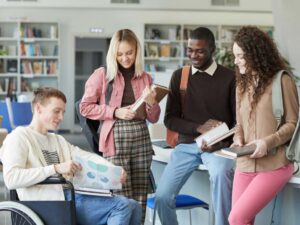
(76, 139)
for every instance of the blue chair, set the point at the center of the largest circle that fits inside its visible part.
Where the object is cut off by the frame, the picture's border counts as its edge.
(15, 114)
(183, 201)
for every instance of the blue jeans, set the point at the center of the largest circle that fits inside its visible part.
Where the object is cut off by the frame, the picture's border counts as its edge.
(184, 160)
(117, 210)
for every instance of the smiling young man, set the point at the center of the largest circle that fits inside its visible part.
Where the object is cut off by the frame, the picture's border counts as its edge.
(209, 100)
(32, 154)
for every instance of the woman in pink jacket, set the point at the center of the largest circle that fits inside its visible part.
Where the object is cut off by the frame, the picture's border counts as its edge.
(124, 138)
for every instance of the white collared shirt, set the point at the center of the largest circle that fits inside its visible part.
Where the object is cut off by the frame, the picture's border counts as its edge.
(210, 70)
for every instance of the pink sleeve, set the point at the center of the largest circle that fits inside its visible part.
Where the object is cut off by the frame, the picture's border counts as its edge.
(91, 105)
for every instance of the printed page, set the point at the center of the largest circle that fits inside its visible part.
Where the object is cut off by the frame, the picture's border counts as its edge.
(97, 176)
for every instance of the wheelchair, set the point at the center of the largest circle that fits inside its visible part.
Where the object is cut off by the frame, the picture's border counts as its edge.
(15, 212)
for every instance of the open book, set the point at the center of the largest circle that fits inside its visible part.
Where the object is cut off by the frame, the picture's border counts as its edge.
(96, 178)
(161, 92)
(215, 135)
(234, 152)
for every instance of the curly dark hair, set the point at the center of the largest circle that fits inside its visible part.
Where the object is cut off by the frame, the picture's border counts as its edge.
(262, 57)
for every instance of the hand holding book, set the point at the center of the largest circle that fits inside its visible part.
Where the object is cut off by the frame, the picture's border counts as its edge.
(149, 95)
(157, 92)
(214, 135)
(238, 151)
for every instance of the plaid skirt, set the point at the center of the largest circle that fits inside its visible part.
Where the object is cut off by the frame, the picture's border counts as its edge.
(134, 153)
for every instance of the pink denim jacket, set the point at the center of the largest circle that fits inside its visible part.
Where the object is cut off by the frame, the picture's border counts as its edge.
(95, 88)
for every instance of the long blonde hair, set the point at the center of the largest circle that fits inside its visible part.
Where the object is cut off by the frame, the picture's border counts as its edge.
(111, 58)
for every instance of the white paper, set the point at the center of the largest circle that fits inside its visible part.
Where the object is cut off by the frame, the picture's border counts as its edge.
(97, 176)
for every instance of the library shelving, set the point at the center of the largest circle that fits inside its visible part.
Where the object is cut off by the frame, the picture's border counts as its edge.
(165, 44)
(29, 56)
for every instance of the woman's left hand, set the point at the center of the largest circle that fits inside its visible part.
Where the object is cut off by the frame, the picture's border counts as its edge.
(149, 96)
(261, 149)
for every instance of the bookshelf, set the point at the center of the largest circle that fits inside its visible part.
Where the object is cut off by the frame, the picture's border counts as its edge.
(165, 45)
(29, 56)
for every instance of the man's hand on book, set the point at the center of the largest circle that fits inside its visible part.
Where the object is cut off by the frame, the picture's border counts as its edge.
(212, 148)
(68, 168)
(261, 149)
(208, 125)
(124, 113)
(149, 96)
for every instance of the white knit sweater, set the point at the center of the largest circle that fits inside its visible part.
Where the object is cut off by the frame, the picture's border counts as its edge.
(24, 164)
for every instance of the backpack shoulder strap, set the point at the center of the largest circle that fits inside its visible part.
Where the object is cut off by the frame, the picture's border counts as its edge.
(108, 90)
(184, 77)
(277, 102)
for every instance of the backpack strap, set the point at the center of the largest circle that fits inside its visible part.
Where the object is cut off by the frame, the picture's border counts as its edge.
(277, 102)
(183, 83)
(184, 77)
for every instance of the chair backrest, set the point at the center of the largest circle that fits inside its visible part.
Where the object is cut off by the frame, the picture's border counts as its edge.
(152, 184)
(15, 114)
(89, 129)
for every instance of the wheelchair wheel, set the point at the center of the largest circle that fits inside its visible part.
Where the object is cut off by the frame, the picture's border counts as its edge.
(13, 213)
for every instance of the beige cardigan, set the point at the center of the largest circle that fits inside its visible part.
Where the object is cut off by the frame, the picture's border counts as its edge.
(263, 125)
(24, 164)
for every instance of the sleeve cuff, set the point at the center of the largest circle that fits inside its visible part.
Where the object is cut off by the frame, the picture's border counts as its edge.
(49, 170)
(110, 112)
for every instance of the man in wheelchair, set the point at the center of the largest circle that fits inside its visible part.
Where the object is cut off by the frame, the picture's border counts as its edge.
(31, 154)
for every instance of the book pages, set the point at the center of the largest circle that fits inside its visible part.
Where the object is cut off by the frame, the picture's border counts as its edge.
(97, 176)
(213, 135)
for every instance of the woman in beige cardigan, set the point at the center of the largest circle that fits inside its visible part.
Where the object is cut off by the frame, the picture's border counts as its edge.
(260, 176)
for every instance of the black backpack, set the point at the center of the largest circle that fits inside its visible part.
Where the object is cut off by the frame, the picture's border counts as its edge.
(92, 128)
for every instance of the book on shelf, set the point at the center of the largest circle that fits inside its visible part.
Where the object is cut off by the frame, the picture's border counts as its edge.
(37, 67)
(215, 135)
(27, 67)
(161, 92)
(153, 50)
(93, 191)
(1, 65)
(234, 152)
(165, 50)
(12, 66)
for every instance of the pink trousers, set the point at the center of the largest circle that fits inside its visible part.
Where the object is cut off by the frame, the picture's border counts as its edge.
(253, 191)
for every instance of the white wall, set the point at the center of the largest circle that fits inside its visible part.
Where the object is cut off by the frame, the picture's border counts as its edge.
(76, 22)
(244, 5)
(287, 33)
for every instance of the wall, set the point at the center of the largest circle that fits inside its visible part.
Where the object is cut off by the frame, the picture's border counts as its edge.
(195, 5)
(77, 22)
(287, 32)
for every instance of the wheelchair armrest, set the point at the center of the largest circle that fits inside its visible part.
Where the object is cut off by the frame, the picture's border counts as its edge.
(54, 180)
(50, 180)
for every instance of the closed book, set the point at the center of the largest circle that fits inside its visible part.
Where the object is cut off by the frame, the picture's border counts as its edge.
(215, 135)
(161, 92)
(239, 151)
(93, 191)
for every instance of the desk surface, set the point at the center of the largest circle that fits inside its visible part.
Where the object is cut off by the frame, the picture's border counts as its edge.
(163, 155)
